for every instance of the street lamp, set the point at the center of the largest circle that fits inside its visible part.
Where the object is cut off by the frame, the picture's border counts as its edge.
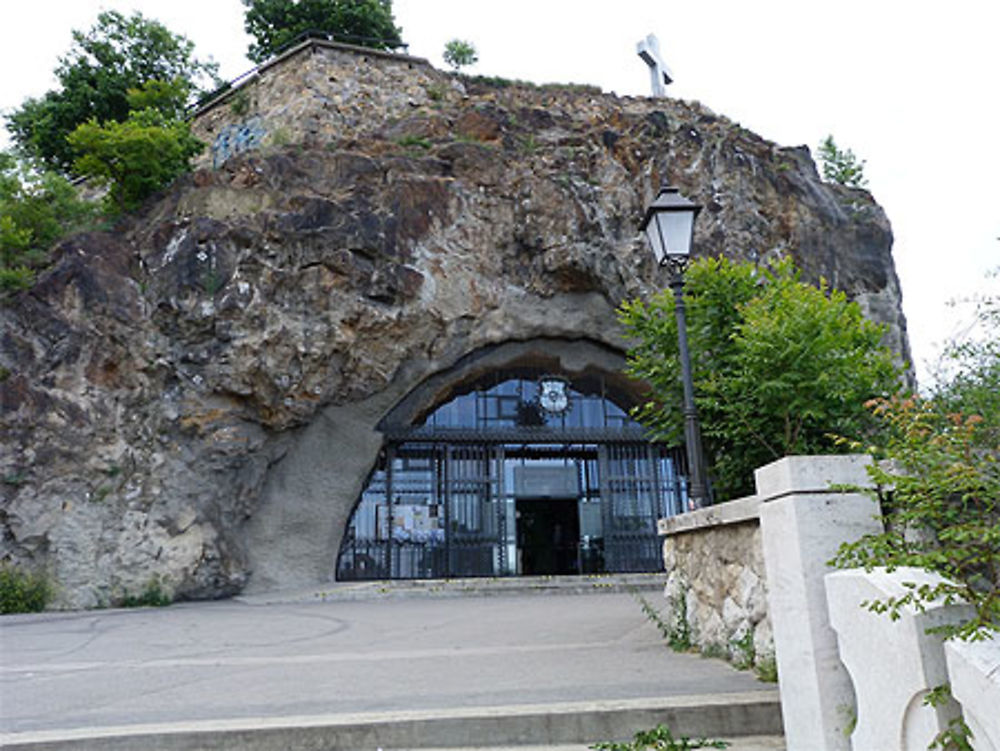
(669, 228)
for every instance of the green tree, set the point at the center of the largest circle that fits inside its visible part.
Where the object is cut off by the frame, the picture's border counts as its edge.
(778, 366)
(136, 157)
(459, 53)
(117, 55)
(275, 23)
(169, 98)
(36, 209)
(841, 165)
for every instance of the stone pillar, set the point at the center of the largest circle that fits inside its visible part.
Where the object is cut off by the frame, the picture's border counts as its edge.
(893, 662)
(803, 522)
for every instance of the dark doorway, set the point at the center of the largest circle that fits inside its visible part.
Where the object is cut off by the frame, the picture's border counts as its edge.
(548, 535)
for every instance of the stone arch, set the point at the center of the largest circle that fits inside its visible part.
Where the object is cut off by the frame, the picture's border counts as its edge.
(480, 477)
(570, 356)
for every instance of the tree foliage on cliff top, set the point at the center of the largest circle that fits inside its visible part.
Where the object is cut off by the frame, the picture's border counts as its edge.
(841, 165)
(275, 23)
(135, 158)
(37, 207)
(117, 55)
(778, 366)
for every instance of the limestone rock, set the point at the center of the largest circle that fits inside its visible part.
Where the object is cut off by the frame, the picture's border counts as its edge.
(194, 397)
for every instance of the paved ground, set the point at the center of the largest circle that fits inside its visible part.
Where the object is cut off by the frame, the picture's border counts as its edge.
(258, 659)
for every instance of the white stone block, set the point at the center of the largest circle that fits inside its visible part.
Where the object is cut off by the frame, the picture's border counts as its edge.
(974, 671)
(810, 474)
(803, 523)
(893, 662)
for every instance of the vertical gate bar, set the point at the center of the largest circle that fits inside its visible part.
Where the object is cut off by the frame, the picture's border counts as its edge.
(501, 510)
(603, 471)
(390, 455)
(446, 472)
(659, 500)
(578, 465)
(652, 505)
(441, 454)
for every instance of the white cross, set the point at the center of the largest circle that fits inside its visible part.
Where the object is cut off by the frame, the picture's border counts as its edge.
(649, 51)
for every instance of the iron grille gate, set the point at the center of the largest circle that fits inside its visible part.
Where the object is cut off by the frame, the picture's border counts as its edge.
(474, 515)
(436, 509)
(636, 491)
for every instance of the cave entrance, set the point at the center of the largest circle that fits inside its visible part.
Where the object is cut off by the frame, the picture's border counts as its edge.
(520, 471)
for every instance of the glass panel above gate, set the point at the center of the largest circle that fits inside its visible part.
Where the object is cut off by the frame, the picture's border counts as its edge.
(531, 400)
(522, 472)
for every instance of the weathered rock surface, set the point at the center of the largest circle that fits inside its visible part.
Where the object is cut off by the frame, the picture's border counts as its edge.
(194, 398)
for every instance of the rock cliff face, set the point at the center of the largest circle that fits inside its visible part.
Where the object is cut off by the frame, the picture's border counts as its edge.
(194, 399)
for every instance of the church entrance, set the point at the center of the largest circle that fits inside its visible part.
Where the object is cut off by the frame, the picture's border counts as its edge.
(548, 536)
(519, 473)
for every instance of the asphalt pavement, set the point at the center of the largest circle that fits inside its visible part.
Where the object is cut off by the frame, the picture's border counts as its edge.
(264, 660)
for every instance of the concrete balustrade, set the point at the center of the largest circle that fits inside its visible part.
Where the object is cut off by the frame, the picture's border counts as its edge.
(850, 679)
(893, 662)
(974, 672)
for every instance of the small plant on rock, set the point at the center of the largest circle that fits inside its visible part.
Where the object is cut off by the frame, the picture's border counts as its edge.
(841, 165)
(458, 53)
(743, 651)
(767, 669)
(676, 634)
(661, 739)
(153, 596)
(414, 142)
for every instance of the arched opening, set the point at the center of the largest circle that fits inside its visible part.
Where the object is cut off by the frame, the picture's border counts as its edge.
(522, 469)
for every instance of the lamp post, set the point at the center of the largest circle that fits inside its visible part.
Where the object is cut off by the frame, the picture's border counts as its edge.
(669, 228)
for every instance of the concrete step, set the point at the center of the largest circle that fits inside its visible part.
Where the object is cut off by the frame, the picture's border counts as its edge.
(465, 587)
(745, 743)
(747, 716)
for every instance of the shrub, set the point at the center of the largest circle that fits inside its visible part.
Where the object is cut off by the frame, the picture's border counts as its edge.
(23, 591)
(937, 479)
(36, 209)
(939, 490)
(16, 277)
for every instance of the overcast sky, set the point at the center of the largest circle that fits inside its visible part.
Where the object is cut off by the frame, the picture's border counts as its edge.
(909, 85)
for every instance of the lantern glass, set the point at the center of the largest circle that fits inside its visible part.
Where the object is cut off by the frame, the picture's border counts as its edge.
(669, 226)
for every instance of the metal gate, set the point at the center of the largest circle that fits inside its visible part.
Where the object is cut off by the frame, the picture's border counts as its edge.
(639, 485)
(437, 508)
(475, 522)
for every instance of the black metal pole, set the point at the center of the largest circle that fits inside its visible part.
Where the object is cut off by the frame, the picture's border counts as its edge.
(698, 493)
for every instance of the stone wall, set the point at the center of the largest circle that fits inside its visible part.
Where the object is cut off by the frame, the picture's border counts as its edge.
(316, 94)
(716, 580)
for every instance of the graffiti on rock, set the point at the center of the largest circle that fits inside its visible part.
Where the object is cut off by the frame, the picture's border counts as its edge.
(235, 139)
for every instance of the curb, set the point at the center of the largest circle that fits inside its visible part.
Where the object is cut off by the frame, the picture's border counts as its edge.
(755, 713)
